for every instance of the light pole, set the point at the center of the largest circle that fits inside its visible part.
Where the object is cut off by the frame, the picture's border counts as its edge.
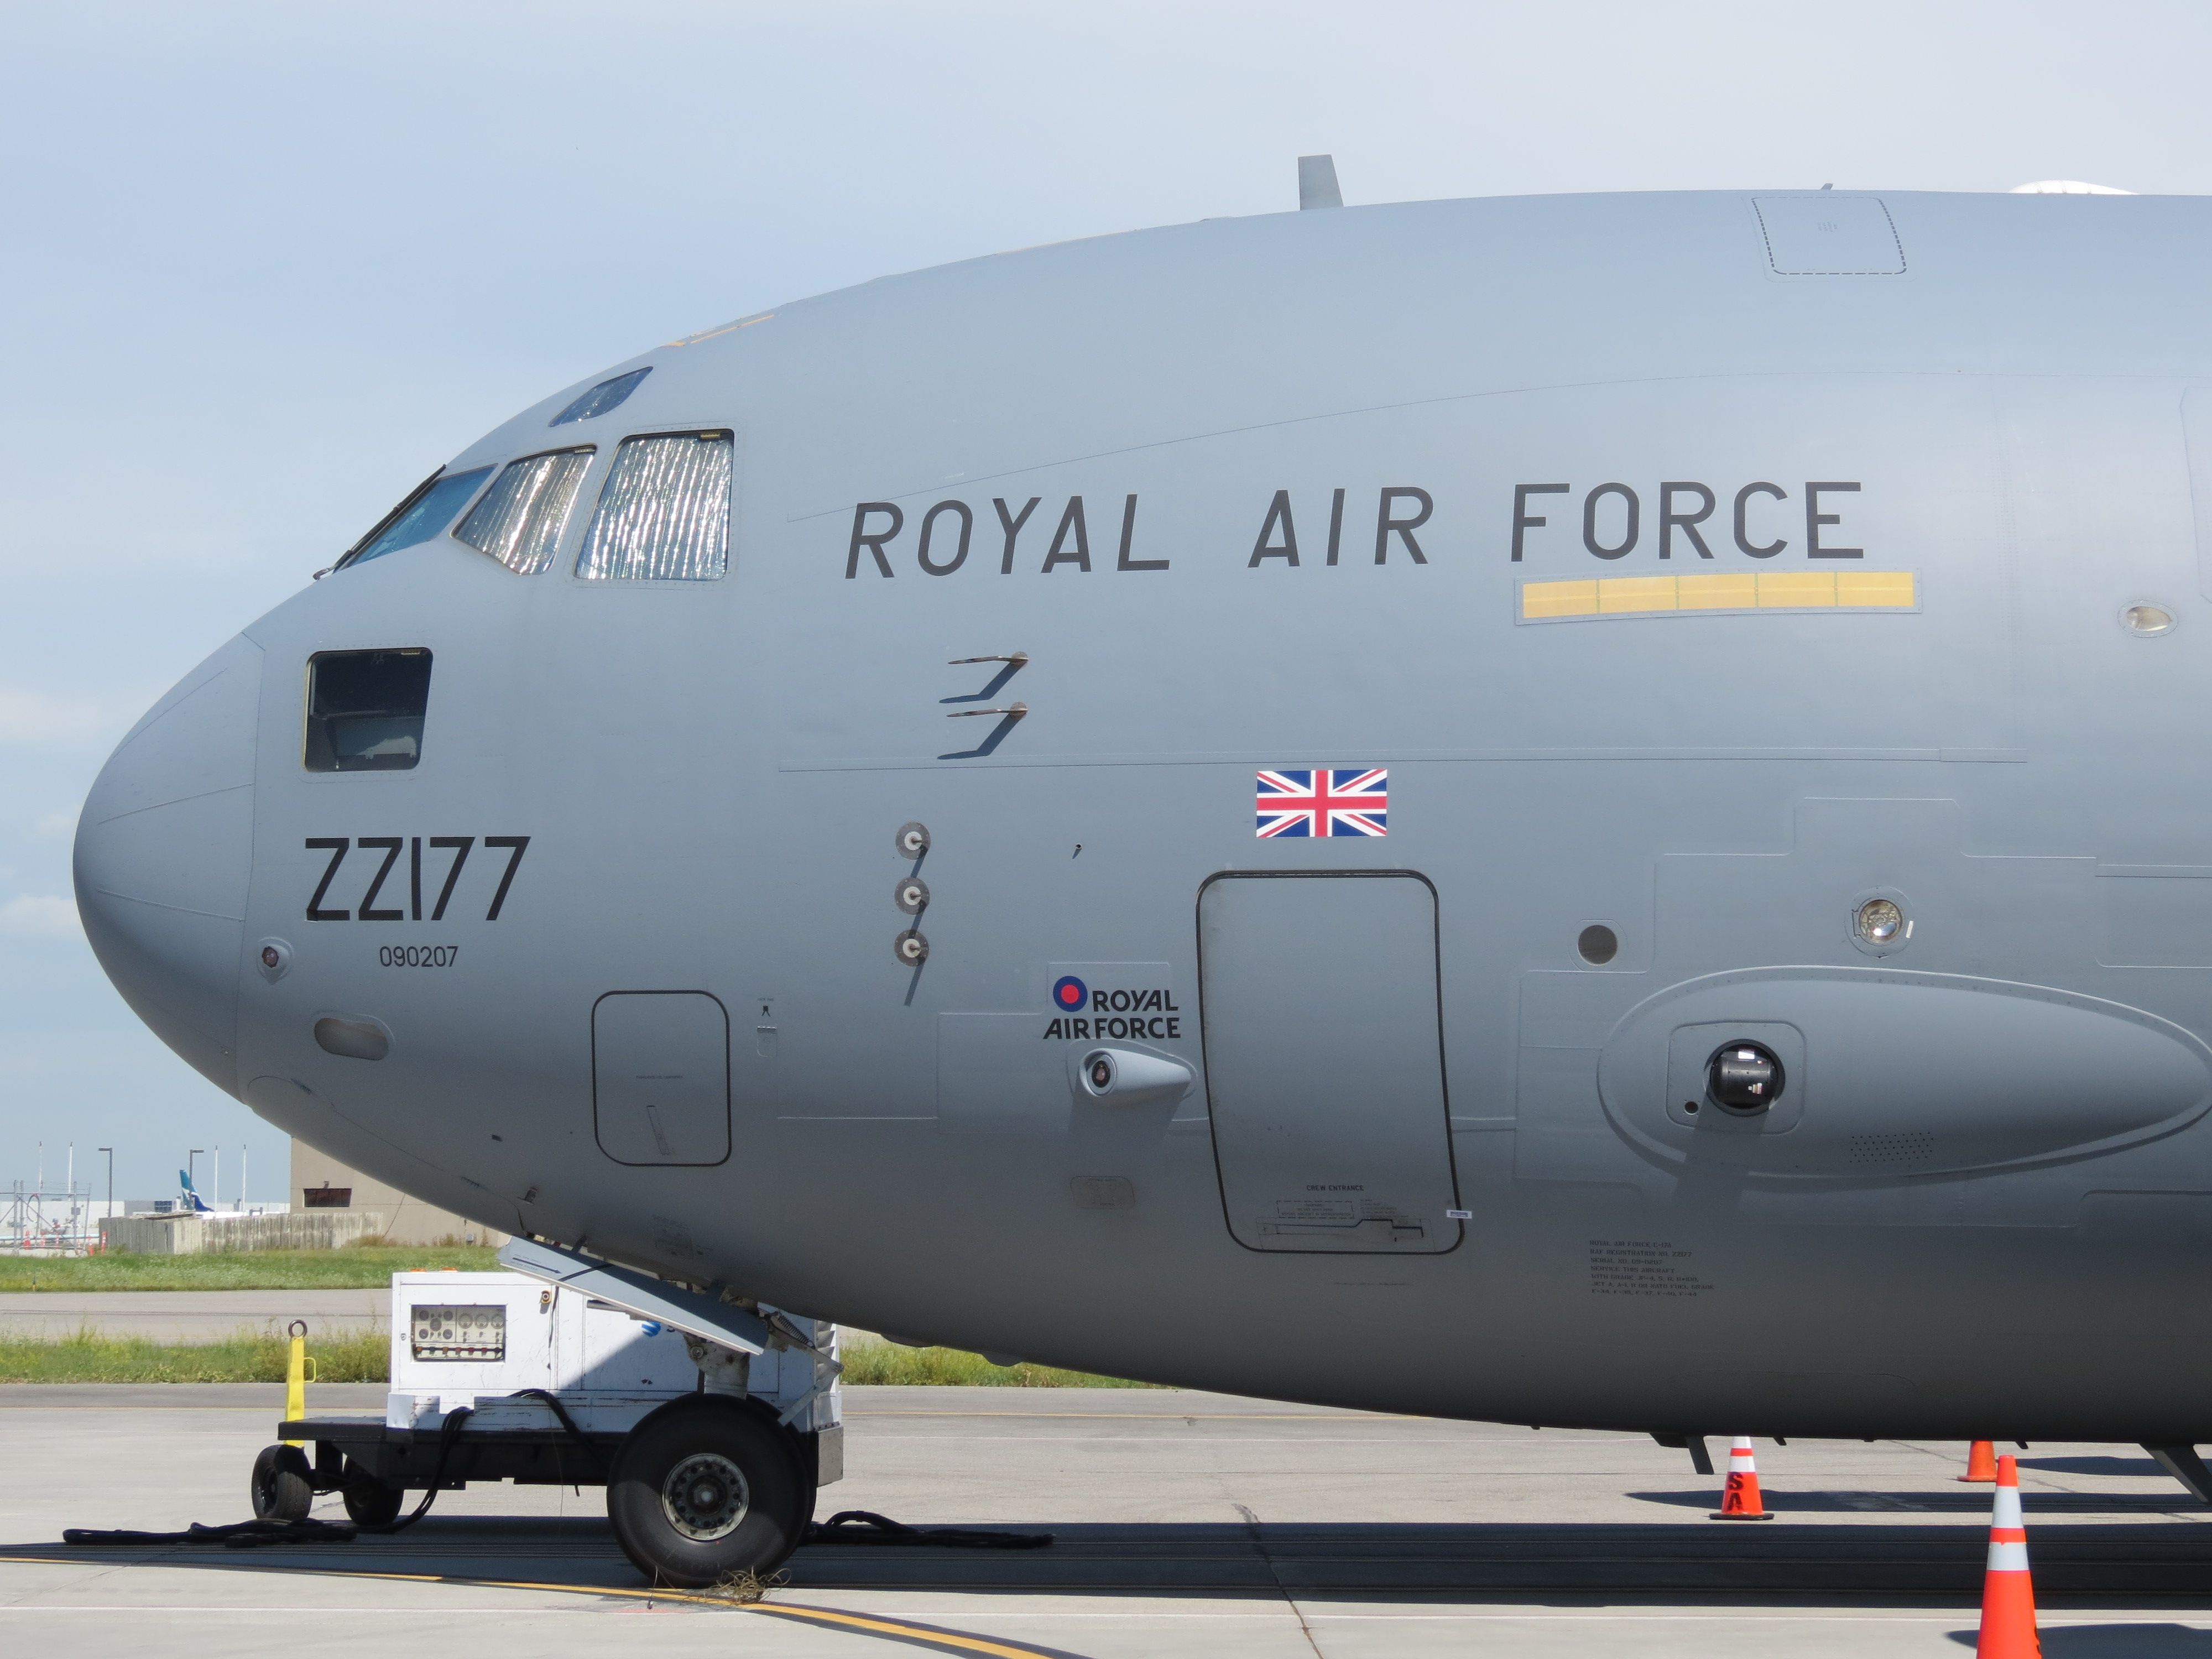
(110, 1150)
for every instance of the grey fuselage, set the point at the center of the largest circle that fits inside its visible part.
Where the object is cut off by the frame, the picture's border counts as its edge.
(1430, 1157)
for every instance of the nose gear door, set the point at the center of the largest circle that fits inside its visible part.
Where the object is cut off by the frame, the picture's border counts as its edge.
(661, 1077)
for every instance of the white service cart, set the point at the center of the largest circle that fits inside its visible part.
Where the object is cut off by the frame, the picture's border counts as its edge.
(710, 1424)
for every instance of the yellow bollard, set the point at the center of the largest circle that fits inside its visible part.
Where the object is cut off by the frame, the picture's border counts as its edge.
(295, 1377)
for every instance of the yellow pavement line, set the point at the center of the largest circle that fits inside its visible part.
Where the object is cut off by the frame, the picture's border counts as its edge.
(1743, 590)
(901, 1630)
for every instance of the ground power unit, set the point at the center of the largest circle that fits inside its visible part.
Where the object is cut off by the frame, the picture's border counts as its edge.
(710, 1445)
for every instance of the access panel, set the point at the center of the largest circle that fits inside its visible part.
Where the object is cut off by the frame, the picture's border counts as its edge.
(1324, 1062)
(661, 1077)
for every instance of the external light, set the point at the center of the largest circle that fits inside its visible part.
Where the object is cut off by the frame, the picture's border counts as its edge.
(1880, 921)
(2147, 619)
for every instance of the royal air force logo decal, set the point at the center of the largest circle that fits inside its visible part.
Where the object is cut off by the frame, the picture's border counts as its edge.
(1343, 801)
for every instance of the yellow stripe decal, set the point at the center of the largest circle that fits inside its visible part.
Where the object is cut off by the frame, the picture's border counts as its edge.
(1744, 590)
(1618, 594)
(1737, 591)
(1874, 587)
(1781, 590)
(1558, 599)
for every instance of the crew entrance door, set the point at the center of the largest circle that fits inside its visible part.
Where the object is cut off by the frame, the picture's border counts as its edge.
(1324, 1062)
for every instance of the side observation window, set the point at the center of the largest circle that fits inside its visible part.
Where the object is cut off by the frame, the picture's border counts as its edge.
(365, 709)
(664, 512)
(606, 395)
(519, 521)
(421, 516)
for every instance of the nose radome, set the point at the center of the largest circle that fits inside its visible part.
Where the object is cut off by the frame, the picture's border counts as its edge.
(164, 852)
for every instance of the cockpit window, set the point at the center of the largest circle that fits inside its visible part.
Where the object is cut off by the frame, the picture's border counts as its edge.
(664, 512)
(606, 395)
(365, 709)
(429, 510)
(519, 521)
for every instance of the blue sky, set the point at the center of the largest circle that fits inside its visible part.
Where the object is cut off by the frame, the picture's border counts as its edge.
(264, 266)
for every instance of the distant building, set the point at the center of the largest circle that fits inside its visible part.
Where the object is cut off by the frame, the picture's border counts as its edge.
(320, 1182)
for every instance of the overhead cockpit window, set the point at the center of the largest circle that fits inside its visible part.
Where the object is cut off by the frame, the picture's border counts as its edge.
(606, 395)
(519, 521)
(365, 709)
(429, 510)
(664, 512)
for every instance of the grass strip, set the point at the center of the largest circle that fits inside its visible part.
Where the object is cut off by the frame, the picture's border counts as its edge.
(356, 1266)
(92, 1356)
(888, 1363)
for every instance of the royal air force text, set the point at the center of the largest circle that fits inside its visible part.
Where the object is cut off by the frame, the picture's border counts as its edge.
(1677, 518)
(1128, 1015)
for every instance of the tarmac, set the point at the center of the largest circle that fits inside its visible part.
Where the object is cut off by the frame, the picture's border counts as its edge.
(1183, 1524)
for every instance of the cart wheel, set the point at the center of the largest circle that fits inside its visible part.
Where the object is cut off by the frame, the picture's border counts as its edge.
(283, 1484)
(368, 1501)
(703, 1488)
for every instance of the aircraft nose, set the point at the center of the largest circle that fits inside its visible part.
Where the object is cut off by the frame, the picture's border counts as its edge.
(164, 853)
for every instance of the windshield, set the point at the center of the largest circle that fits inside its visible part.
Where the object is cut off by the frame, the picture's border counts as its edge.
(519, 519)
(430, 510)
(664, 512)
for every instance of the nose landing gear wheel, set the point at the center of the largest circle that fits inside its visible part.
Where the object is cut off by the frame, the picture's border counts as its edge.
(703, 1488)
(706, 1498)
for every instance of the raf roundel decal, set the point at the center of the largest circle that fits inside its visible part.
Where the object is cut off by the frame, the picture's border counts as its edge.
(1069, 992)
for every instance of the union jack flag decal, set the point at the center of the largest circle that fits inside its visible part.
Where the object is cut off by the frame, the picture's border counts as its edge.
(1346, 801)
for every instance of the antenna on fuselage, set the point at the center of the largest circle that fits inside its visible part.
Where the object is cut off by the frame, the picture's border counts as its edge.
(1317, 183)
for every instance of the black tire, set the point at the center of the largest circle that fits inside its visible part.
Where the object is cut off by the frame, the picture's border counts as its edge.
(283, 1484)
(368, 1501)
(705, 1488)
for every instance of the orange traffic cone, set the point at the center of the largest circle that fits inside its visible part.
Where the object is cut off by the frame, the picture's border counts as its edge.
(2008, 1593)
(1981, 1463)
(1740, 1498)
